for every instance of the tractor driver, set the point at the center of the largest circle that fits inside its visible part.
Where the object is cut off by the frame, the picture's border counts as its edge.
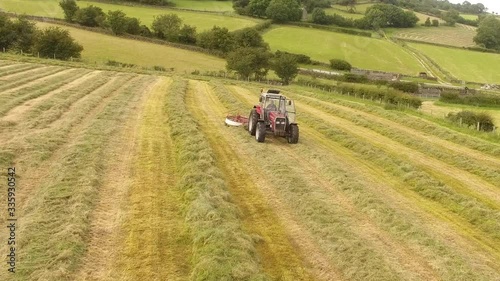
(272, 106)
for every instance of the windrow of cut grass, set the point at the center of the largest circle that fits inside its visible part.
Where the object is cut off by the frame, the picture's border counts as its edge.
(55, 218)
(443, 35)
(50, 110)
(23, 78)
(161, 251)
(34, 90)
(311, 207)
(410, 119)
(279, 258)
(483, 220)
(16, 69)
(474, 165)
(330, 170)
(466, 65)
(221, 248)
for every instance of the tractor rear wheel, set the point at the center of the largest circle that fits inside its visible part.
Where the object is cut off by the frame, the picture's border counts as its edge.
(252, 122)
(260, 133)
(293, 136)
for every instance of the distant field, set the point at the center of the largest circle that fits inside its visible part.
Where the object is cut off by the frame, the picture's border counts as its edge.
(331, 11)
(202, 21)
(459, 36)
(361, 8)
(469, 17)
(218, 6)
(465, 65)
(360, 51)
(442, 109)
(99, 48)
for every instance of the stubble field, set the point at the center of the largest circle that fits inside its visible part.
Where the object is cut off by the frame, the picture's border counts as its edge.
(126, 176)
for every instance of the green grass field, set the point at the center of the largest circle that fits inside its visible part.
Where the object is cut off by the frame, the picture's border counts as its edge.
(203, 5)
(99, 48)
(465, 65)
(331, 11)
(202, 21)
(469, 17)
(360, 51)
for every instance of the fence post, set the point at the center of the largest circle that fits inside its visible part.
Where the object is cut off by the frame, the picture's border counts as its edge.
(478, 126)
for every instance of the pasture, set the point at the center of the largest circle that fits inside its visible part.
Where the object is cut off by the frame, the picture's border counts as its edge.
(465, 65)
(99, 48)
(202, 21)
(141, 172)
(362, 52)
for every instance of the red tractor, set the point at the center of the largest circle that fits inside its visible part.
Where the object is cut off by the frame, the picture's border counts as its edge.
(274, 113)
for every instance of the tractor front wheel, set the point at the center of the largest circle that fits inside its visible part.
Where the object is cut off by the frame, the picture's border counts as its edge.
(293, 136)
(252, 122)
(260, 134)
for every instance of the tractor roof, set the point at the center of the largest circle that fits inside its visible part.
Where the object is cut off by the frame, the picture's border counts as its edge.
(273, 96)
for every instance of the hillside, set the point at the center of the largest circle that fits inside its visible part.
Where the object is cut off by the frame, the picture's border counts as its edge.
(141, 172)
(100, 48)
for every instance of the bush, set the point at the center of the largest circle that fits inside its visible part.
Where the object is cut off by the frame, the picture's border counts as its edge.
(339, 64)
(90, 16)
(55, 42)
(407, 87)
(300, 58)
(354, 78)
(472, 119)
(284, 11)
(475, 99)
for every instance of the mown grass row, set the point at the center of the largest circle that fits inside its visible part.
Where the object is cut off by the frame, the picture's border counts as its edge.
(6, 63)
(52, 109)
(27, 93)
(316, 208)
(221, 248)
(440, 153)
(18, 68)
(476, 213)
(25, 78)
(415, 122)
(374, 204)
(56, 221)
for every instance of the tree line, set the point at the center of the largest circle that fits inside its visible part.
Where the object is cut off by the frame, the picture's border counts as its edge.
(376, 16)
(22, 35)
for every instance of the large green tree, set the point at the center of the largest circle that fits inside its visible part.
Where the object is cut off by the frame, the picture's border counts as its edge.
(249, 61)
(286, 67)
(7, 32)
(26, 34)
(257, 8)
(249, 37)
(117, 20)
(218, 38)
(284, 10)
(55, 42)
(90, 16)
(384, 15)
(451, 17)
(488, 33)
(69, 8)
(167, 27)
